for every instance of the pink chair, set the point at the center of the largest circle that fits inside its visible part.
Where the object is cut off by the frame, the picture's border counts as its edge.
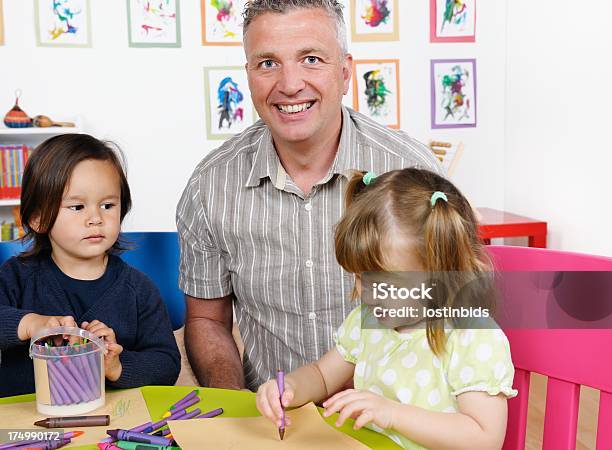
(569, 358)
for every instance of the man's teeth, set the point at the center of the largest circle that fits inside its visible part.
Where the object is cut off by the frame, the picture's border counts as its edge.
(292, 109)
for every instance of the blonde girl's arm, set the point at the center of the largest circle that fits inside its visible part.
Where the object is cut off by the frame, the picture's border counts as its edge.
(480, 423)
(310, 383)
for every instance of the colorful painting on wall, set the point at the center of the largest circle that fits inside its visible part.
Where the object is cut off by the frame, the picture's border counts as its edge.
(63, 23)
(374, 20)
(222, 22)
(229, 109)
(452, 20)
(376, 90)
(154, 23)
(453, 93)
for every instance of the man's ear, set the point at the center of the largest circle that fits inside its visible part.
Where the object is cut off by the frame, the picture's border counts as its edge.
(347, 71)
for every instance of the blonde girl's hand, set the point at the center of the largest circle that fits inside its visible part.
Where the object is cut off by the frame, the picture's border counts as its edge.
(363, 406)
(31, 323)
(112, 363)
(269, 403)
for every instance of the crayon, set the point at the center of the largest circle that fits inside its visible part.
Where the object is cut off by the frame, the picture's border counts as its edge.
(209, 414)
(280, 380)
(178, 405)
(108, 446)
(75, 421)
(126, 445)
(132, 436)
(190, 402)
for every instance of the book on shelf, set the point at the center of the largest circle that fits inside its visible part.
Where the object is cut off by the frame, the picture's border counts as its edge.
(13, 159)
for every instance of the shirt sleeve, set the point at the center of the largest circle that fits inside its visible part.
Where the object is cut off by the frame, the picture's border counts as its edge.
(478, 360)
(11, 311)
(202, 271)
(348, 336)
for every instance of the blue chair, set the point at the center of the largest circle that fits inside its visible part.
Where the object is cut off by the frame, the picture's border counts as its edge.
(10, 248)
(156, 253)
(153, 253)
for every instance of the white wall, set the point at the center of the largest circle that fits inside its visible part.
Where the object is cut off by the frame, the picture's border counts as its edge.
(150, 101)
(558, 152)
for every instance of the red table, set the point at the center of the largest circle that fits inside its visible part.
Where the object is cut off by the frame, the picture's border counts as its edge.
(497, 224)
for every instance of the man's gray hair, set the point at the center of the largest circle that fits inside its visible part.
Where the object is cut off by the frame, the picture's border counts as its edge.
(333, 8)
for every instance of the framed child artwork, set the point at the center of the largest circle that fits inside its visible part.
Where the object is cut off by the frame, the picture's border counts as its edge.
(453, 93)
(452, 20)
(229, 109)
(154, 23)
(376, 90)
(374, 20)
(62, 23)
(222, 22)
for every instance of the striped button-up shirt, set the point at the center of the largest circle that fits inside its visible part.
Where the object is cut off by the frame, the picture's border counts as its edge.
(246, 228)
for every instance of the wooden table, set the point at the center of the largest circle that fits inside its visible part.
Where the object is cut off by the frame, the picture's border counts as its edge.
(499, 224)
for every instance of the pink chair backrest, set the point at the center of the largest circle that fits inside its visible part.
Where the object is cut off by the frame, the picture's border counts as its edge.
(569, 358)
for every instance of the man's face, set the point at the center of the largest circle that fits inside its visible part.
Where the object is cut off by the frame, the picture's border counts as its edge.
(297, 74)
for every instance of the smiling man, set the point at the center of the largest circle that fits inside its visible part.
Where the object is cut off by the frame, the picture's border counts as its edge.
(256, 218)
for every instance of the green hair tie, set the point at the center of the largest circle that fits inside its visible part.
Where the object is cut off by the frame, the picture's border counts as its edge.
(437, 196)
(368, 178)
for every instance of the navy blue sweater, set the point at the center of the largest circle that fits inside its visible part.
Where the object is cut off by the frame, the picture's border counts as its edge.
(132, 306)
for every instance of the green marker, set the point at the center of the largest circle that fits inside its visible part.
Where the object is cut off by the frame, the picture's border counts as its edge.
(125, 445)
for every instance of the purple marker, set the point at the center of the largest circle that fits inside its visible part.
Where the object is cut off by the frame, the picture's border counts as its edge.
(132, 436)
(280, 380)
(209, 414)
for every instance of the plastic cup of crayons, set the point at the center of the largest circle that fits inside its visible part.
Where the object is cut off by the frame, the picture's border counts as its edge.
(68, 371)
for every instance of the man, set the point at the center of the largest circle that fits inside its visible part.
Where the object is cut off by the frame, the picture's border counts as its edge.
(256, 218)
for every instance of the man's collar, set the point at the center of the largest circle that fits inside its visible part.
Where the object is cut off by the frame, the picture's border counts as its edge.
(267, 164)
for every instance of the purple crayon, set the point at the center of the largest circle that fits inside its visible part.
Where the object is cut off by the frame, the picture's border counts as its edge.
(181, 404)
(62, 381)
(70, 379)
(209, 414)
(184, 405)
(175, 416)
(164, 432)
(280, 380)
(132, 436)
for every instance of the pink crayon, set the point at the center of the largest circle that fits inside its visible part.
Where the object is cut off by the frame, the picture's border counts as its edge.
(108, 446)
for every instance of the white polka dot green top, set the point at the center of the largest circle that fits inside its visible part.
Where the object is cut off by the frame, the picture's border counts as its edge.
(401, 366)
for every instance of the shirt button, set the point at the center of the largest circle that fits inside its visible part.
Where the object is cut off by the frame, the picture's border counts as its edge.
(308, 207)
(312, 315)
(309, 263)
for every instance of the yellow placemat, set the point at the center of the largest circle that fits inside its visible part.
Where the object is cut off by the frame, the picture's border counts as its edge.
(127, 409)
(308, 430)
